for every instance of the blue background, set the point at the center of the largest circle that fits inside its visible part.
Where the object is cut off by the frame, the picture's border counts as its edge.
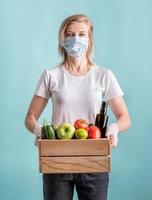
(28, 45)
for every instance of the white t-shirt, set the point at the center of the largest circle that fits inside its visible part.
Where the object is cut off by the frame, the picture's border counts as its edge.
(75, 97)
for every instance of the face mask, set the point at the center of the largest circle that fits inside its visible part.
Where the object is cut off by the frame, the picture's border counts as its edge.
(75, 46)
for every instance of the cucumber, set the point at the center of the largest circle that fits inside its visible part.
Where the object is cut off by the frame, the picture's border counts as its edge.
(44, 129)
(50, 132)
(55, 130)
(43, 133)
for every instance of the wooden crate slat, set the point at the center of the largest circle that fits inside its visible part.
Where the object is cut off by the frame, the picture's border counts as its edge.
(74, 147)
(75, 164)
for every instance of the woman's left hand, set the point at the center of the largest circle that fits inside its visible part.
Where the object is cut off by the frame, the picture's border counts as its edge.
(112, 134)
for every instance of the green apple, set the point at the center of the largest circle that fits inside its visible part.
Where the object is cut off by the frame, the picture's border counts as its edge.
(65, 131)
(81, 133)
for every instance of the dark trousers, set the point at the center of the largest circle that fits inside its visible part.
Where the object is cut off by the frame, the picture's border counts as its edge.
(89, 186)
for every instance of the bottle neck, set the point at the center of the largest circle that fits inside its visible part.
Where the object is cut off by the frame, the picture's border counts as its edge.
(104, 108)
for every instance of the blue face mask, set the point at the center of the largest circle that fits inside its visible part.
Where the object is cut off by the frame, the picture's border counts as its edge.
(75, 46)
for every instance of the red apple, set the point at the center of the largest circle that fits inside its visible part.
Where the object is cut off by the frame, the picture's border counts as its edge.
(94, 132)
(81, 123)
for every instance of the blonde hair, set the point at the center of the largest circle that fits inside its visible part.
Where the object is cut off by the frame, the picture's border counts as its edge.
(61, 36)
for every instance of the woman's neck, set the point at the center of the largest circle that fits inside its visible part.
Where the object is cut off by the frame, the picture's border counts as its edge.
(77, 64)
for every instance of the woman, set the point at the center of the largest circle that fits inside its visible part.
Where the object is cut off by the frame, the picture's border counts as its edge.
(76, 87)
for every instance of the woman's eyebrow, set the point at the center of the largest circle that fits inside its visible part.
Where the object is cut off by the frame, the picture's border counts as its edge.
(83, 31)
(74, 31)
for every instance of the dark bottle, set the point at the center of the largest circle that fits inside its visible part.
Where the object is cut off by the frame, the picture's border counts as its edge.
(102, 119)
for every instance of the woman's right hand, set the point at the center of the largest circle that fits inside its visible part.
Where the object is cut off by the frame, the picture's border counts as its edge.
(37, 132)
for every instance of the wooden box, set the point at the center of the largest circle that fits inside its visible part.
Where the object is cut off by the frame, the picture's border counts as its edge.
(74, 156)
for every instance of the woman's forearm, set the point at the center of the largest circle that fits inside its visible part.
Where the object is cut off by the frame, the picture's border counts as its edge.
(123, 123)
(36, 107)
(30, 122)
(121, 113)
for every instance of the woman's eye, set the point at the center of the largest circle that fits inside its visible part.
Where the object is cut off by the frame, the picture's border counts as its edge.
(69, 35)
(82, 34)
(72, 35)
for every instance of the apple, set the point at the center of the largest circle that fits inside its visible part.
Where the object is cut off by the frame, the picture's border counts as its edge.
(81, 133)
(94, 132)
(81, 123)
(65, 131)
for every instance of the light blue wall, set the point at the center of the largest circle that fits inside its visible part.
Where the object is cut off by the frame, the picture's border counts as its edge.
(123, 41)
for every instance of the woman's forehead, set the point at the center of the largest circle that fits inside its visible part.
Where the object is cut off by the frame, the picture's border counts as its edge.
(77, 26)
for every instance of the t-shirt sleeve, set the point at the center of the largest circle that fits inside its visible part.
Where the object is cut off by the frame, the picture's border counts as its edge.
(43, 85)
(112, 87)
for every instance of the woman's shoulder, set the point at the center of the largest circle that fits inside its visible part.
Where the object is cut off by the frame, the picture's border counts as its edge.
(52, 70)
(101, 69)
